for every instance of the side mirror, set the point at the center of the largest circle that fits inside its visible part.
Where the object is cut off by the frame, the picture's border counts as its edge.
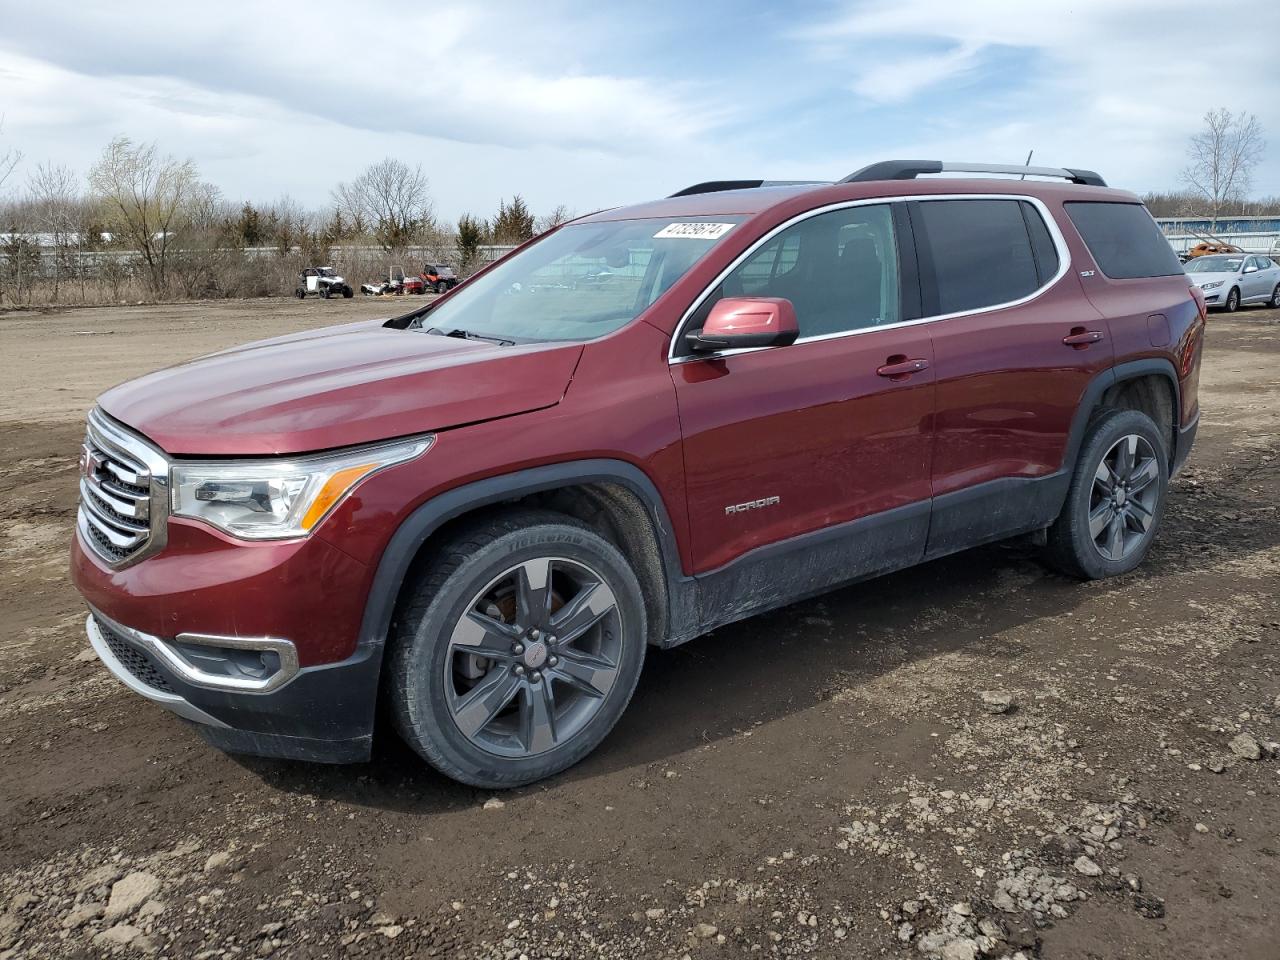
(1250, 269)
(737, 322)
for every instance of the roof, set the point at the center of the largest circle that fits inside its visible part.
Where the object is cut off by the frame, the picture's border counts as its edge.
(749, 202)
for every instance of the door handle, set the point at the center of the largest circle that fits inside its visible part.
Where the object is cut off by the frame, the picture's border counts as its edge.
(1081, 338)
(900, 367)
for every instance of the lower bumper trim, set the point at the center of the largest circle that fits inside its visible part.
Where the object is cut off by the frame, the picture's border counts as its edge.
(170, 701)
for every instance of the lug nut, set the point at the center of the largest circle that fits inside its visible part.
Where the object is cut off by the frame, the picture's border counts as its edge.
(519, 671)
(552, 661)
(535, 634)
(550, 639)
(517, 648)
(535, 676)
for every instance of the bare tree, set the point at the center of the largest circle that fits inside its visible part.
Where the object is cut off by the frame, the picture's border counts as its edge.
(55, 203)
(391, 196)
(550, 220)
(145, 199)
(9, 159)
(1221, 158)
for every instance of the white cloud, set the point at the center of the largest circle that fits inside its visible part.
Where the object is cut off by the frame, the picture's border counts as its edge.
(1119, 84)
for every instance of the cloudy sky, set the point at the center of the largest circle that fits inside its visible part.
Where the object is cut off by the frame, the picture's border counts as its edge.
(593, 105)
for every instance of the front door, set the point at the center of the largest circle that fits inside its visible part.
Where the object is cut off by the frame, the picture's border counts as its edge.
(808, 465)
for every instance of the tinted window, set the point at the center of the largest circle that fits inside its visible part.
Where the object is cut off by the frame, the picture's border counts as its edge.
(981, 252)
(838, 269)
(1124, 240)
(1046, 253)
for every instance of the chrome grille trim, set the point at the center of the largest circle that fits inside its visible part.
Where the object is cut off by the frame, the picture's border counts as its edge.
(124, 494)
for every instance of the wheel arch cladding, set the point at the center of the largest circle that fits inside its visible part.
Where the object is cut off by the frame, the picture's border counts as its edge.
(1120, 383)
(1153, 394)
(616, 498)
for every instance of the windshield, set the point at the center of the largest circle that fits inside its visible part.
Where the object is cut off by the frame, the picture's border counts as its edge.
(581, 282)
(325, 272)
(1214, 264)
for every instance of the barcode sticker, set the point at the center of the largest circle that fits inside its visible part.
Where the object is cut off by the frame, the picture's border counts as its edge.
(693, 231)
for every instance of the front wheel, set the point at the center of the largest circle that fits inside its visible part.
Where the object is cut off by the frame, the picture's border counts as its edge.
(347, 293)
(440, 287)
(1233, 300)
(1115, 501)
(517, 651)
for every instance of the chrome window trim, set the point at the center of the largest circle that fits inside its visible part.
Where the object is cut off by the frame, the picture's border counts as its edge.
(1055, 234)
(131, 449)
(193, 675)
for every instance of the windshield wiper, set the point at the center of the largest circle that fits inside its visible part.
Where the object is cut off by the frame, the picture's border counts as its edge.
(470, 335)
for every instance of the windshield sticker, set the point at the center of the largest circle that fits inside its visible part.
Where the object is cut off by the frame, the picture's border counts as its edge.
(693, 231)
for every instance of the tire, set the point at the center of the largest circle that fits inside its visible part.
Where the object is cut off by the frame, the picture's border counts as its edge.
(1232, 303)
(1274, 302)
(300, 293)
(324, 292)
(501, 738)
(441, 287)
(347, 293)
(1082, 542)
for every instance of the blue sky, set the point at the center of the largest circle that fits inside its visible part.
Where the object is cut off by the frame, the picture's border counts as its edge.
(595, 105)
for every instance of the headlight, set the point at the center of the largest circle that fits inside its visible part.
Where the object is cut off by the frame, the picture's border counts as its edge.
(1210, 286)
(277, 499)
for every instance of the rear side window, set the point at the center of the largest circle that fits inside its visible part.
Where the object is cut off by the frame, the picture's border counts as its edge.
(1124, 240)
(981, 252)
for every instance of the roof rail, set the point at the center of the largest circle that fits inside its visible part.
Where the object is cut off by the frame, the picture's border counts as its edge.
(910, 169)
(716, 186)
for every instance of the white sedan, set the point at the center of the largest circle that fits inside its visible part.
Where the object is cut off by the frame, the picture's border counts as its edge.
(1230, 280)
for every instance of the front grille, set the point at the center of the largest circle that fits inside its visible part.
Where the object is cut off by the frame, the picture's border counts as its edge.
(116, 492)
(137, 662)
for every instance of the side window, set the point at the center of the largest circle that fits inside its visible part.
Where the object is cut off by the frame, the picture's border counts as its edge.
(1124, 240)
(981, 251)
(1046, 253)
(838, 269)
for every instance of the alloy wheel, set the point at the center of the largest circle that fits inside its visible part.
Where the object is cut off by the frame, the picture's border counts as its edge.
(533, 657)
(1123, 500)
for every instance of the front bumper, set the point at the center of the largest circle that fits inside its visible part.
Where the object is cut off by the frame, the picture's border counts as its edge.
(320, 713)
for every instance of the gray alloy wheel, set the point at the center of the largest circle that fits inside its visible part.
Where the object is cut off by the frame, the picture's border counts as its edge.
(515, 648)
(1124, 497)
(533, 656)
(1115, 499)
(1275, 298)
(1233, 300)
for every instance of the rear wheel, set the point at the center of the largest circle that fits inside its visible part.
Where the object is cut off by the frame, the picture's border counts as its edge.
(347, 293)
(1274, 302)
(1233, 300)
(1115, 501)
(517, 651)
(300, 293)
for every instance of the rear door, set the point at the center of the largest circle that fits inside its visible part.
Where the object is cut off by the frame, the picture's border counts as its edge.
(1015, 345)
(788, 448)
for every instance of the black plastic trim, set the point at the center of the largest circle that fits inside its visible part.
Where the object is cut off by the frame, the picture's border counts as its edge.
(424, 521)
(908, 263)
(786, 572)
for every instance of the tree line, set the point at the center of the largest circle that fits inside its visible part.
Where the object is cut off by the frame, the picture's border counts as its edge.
(143, 223)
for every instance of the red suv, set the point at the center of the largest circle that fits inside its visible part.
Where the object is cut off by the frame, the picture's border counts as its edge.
(480, 514)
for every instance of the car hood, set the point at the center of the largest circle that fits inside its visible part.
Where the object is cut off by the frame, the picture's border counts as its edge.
(336, 387)
(1200, 279)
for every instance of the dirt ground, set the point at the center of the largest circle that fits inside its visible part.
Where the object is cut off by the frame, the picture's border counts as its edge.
(824, 781)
